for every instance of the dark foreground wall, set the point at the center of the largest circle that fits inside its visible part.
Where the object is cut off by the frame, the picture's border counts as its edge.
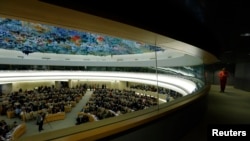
(242, 76)
(171, 127)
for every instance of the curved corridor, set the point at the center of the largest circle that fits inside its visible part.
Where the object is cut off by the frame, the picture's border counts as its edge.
(231, 107)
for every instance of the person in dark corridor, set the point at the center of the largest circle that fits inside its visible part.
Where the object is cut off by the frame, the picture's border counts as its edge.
(223, 75)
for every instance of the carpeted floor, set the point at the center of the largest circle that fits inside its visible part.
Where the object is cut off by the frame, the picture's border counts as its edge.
(230, 108)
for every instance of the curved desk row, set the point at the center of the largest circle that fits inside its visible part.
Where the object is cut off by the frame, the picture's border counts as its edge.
(18, 131)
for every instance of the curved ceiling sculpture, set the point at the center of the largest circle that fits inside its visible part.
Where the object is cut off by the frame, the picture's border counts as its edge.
(30, 37)
(37, 33)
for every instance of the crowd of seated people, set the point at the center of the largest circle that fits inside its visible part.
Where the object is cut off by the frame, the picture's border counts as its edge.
(161, 90)
(82, 119)
(46, 98)
(105, 103)
(6, 129)
(144, 87)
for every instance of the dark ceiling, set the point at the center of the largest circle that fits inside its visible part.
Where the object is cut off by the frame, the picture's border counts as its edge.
(219, 27)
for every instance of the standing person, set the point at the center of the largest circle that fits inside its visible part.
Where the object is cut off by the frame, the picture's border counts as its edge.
(40, 120)
(168, 98)
(223, 75)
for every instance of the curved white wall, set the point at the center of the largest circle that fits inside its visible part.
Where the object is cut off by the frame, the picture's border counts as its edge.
(180, 85)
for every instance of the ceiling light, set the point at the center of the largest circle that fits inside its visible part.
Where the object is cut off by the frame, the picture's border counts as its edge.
(245, 34)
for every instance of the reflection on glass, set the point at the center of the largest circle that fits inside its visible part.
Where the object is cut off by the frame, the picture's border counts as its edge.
(194, 73)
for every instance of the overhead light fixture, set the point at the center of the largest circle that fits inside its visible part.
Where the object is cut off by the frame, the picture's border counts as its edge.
(178, 84)
(245, 34)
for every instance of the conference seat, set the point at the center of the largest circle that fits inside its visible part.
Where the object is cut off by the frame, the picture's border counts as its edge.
(28, 116)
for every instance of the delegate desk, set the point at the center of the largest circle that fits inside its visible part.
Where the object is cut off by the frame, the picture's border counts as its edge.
(54, 117)
(18, 131)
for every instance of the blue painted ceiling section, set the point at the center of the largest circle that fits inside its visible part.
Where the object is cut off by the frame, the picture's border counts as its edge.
(30, 37)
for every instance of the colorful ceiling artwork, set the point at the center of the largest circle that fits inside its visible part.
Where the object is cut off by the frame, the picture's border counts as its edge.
(30, 37)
